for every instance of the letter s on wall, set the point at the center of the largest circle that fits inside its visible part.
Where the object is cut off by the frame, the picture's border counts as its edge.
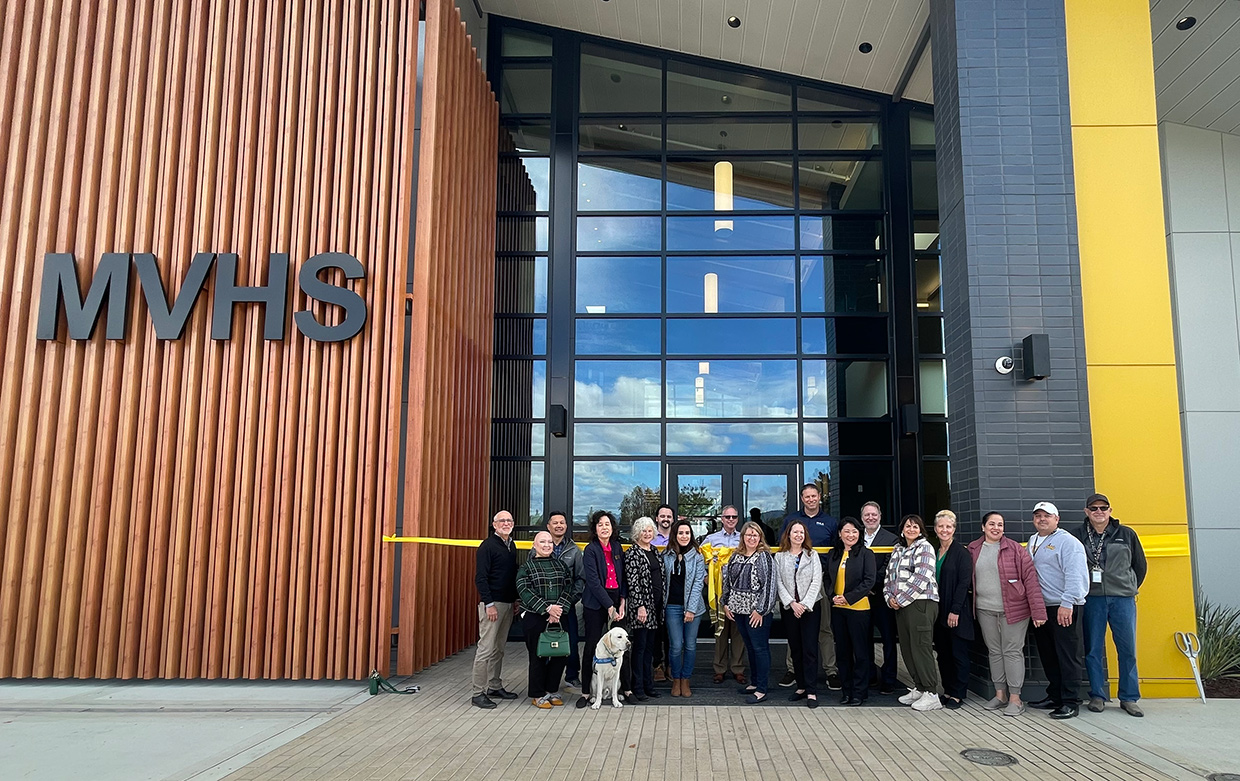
(354, 305)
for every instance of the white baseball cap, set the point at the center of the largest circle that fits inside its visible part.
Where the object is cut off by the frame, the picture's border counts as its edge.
(1046, 507)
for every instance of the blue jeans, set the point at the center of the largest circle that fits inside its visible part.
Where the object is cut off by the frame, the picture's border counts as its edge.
(758, 644)
(682, 641)
(1121, 614)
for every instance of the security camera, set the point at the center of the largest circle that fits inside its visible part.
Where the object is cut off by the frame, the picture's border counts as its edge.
(1004, 365)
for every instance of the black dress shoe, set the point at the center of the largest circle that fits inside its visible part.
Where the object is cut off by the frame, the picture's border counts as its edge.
(1065, 712)
(951, 703)
(1046, 703)
(639, 696)
(501, 693)
(846, 699)
(746, 689)
(482, 701)
(583, 701)
(813, 703)
(796, 696)
(854, 702)
(652, 694)
(886, 688)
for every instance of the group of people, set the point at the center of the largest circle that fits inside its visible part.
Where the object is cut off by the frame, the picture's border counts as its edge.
(931, 594)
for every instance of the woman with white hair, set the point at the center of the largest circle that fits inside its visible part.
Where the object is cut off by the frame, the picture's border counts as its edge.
(643, 571)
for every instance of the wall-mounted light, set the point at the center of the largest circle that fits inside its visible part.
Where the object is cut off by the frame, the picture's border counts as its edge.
(703, 367)
(723, 194)
(699, 391)
(710, 293)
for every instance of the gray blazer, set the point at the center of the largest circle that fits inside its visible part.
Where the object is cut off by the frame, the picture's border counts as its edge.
(807, 578)
(695, 580)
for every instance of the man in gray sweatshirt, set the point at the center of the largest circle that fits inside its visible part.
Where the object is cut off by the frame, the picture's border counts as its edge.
(1063, 572)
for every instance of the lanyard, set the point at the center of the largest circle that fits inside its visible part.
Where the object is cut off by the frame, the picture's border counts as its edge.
(1035, 547)
(1096, 547)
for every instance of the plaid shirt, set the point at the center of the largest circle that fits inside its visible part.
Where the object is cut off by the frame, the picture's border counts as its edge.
(543, 582)
(910, 574)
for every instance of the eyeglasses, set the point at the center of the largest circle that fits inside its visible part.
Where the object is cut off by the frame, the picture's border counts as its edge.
(1099, 508)
(731, 516)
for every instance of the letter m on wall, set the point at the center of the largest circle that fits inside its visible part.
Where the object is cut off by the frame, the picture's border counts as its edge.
(60, 284)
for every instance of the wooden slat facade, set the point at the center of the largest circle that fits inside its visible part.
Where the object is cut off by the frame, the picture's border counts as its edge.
(449, 444)
(195, 508)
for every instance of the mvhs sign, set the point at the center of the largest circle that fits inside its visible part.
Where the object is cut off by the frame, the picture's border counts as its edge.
(111, 282)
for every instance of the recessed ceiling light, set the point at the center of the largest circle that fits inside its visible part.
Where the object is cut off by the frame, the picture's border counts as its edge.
(725, 99)
(734, 22)
(1186, 23)
(866, 47)
(615, 78)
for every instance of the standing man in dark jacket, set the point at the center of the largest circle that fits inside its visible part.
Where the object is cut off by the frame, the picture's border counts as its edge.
(567, 551)
(822, 528)
(880, 612)
(496, 579)
(1116, 571)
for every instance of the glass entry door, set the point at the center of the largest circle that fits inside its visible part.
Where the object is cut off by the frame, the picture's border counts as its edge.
(699, 490)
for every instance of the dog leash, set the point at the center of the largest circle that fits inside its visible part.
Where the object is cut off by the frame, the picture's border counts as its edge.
(378, 683)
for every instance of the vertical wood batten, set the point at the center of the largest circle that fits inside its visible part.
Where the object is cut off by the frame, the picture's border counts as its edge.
(193, 507)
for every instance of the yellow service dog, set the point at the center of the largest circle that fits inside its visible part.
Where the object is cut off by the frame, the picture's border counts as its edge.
(608, 656)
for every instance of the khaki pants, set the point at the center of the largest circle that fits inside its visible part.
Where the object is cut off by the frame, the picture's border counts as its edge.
(729, 648)
(489, 656)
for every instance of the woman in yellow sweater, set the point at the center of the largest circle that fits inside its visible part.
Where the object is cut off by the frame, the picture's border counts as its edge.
(850, 571)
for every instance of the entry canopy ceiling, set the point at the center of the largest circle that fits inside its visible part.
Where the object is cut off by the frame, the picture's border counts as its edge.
(1197, 70)
(816, 39)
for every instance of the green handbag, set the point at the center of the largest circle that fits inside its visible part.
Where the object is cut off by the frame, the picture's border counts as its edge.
(553, 642)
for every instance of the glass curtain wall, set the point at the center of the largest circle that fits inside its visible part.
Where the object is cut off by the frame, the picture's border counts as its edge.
(693, 261)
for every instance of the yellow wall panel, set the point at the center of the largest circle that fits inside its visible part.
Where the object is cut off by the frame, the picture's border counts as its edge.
(1119, 222)
(1138, 463)
(1111, 62)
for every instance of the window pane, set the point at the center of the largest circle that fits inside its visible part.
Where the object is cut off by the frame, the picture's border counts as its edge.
(846, 485)
(613, 136)
(725, 439)
(921, 131)
(762, 234)
(925, 185)
(929, 285)
(526, 136)
(809, 99)
(618, 234)
(930, 335)
(838, 134)
(731, 389)
(933, 388)
(523, 43)
(618, 337)
(933, 438)
(517, 486)
(521, 285)
(518, 439)
(520, 336)
(936, 490)
(703, 185)
(844, 336)
(525, 90)
(519, 389)
(617, 439)
(844, 389)
(843, 284)
(841, 184)
(618, 285)
(521, 234)
(693, 87)
(847, 439)
(731, 284)
(722, 336)
(524, 184)
(629, 489)
(926, 234)
(618, 389)
(704, 135)
(620, 81)
(619, 184)
(842, 234)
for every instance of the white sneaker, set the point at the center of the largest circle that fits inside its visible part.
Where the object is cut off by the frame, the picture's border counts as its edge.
(928, 701)
(910, 698)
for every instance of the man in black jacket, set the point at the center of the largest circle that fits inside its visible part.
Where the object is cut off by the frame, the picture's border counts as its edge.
(1116, 571)
(880, 614)
(496, 579)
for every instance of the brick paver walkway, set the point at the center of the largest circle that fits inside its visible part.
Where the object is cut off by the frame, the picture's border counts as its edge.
(437, 734)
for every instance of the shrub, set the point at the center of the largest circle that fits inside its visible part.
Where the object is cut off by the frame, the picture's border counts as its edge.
(1218, 629)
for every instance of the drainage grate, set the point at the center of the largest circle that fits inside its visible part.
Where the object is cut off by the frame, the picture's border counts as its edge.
(1224, 777)
(986, 756)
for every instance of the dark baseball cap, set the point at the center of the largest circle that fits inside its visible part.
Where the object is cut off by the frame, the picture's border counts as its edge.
(1097, 498)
